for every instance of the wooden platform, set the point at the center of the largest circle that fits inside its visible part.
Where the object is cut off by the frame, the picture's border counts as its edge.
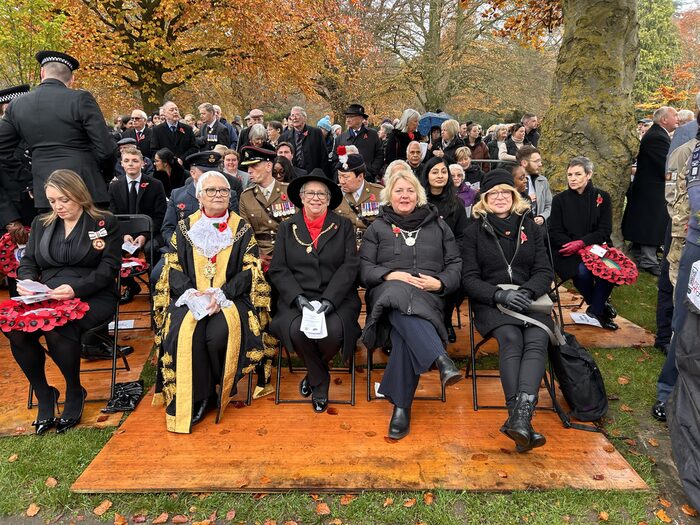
(266, 447)
(16, 418)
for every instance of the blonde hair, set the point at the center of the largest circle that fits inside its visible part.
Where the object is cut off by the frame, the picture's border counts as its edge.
(463, 153)
(451, 126)
(72, 186)
(406, 174)
(481, 208)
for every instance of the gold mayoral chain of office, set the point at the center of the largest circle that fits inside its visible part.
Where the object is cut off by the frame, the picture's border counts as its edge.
(309, 245)
(210, 266)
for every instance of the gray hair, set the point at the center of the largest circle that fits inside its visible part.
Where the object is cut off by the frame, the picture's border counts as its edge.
(206, 175)
(388, 128)
(456, 168)
(584, 162)
(300, 110)
(408, 114)
(661, 113)
(206, 106)
(257, 131)
(217, 108)
(140, 113)
(404, 172)
(685, 115)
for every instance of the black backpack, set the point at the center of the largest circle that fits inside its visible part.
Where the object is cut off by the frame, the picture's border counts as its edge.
(580, 380)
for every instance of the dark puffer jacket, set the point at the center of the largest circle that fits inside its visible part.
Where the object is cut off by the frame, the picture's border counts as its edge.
(484, 267)
(435, 254)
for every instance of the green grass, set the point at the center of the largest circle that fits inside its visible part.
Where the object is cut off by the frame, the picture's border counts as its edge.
(64, 457)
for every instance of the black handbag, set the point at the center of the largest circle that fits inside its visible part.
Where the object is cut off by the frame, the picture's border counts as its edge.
(578, 375)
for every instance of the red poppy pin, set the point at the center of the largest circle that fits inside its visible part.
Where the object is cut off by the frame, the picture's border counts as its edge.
(144, 184)
(213, 259)
(181, 206)
(101, 223)
(222, 226)
(182, 130)
(523, 237)
(599, 200)
(283, 196)
(372, 197)
(364, 136)
(395, 229)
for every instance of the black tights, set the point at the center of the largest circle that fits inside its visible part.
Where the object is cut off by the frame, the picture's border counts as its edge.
(522, 357)
(31, 357)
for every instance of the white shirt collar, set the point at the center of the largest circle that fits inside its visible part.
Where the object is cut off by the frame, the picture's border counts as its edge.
(268, 189)
(357, 194)
(137, 179)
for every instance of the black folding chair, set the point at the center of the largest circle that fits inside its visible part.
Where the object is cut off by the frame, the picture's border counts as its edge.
(350, 369)
(129, 224)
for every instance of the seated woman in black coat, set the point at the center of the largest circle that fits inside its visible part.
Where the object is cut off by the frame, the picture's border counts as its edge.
(315, 259)
(442, 194)
(409, 264)
(505, 246)
(168, 170)
(76, 251)
(581, 216)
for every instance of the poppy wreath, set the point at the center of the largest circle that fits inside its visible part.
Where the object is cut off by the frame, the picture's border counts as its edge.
(8, 261)
(43, 315)
(126, 272)
(615, 267)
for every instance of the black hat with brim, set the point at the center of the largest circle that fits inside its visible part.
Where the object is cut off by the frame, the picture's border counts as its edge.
(207, 160)
(356, 109)
(317, 175)
(44, 57)
(253, 154)
(11, 93)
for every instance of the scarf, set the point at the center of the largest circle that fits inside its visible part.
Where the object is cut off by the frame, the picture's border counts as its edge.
(506, 230)
(314, 226)
(409, 222)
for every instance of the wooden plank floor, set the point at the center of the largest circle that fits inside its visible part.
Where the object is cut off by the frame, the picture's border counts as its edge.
(266, 447)
(16, 418)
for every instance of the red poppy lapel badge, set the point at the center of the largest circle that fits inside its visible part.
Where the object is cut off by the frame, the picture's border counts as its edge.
(599, 200)
(144, 185)
(181, 206)
(523, 237)
(283, 196)
(364, 136)
(306, 132)
(101, 223)
(181, 130)
(221, 226)
(372, 197)
(395, 229)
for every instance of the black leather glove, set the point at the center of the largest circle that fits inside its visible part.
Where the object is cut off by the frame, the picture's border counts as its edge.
(303, 302)
(516, 300)
(326, 306)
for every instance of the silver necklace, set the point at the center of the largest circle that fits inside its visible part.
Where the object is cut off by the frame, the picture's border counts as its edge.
(410, 237)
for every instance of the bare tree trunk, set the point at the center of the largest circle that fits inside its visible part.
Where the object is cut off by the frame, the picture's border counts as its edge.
(592, 113)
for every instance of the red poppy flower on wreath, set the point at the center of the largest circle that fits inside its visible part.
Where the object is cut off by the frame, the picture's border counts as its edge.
(126, 271)
(222, 226)
(372, 197)
(100, 223)
(144, 185)
(8, 256)
(598, 201)
(44, 315)
(523, 237)
(181, 206)
(615, 267)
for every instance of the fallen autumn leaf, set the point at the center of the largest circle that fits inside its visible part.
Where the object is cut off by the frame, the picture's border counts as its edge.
(102, 507)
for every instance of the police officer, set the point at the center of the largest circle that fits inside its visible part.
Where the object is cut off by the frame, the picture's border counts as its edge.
(265, 204)
(63, 128)
(360, 201)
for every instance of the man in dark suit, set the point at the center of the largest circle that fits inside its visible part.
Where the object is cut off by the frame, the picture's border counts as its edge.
(62, 127)
(645, 218)
(138, 193)
(256, 116)
(16, 203)
(177, 136)
(232, 131)
(365, 139)
(309, 147)
(140, 132)
(286, 150)
(212, 131)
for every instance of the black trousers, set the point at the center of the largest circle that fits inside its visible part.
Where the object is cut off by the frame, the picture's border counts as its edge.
(208, 352)
(317, 353)
(415, 347)
(522, 358)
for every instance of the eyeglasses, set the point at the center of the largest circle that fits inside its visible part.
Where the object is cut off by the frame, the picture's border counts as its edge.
(136, 118)
(320, 195)
(278, 172)
(211, 192)
(500, 193)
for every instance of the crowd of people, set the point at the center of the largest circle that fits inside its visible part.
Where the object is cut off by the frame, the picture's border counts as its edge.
(265, 233)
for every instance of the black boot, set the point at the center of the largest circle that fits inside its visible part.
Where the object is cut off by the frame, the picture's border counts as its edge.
(400, 424)
(451, 335)
(518, 426)
(449, 373)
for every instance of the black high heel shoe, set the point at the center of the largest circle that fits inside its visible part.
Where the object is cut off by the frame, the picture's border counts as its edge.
(42, 425)
(63, 424)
